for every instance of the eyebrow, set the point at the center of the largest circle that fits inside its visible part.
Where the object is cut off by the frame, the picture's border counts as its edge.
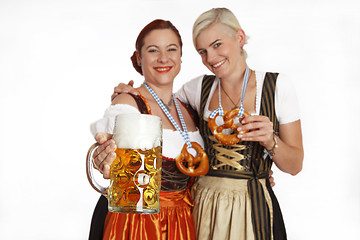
(170, 45)
(214, 42)
(173, 44)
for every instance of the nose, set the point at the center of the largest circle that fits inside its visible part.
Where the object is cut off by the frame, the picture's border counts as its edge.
(210, 56)
(163, 57)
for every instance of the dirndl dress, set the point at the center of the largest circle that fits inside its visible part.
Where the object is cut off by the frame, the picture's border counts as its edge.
(235, 199)
(173, 222)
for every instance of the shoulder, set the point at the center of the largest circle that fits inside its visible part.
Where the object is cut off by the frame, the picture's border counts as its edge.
(284, 83)
(287, 105)
(124, 99)
(208, 77)
(195, 84)
(190, 89)
(195, 81)
(281, 78)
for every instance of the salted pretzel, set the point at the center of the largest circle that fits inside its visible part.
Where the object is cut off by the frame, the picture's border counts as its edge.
(191, 169)
(228, 117)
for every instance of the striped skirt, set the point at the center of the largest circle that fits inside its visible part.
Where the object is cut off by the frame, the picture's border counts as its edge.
(223, 208)
(173, 222)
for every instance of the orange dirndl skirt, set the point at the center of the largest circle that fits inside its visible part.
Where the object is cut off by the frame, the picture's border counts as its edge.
(174, 221)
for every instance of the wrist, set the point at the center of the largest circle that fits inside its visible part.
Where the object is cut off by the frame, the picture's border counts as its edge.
(271, 151)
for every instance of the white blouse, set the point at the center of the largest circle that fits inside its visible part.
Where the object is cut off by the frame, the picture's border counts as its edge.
(286, 103)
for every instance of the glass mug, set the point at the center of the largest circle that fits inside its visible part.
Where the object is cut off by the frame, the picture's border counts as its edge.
(135, 174)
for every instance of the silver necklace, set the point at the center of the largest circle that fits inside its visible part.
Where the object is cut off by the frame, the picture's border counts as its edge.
(169, 104)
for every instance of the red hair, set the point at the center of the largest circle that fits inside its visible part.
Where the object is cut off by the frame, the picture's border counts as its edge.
(154, 25)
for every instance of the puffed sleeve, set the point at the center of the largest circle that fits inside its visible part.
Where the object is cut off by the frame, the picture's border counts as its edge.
(190, 93)
(286, 102)
(107, 123)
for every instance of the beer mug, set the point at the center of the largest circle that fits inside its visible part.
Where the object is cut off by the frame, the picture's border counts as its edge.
(135, 174)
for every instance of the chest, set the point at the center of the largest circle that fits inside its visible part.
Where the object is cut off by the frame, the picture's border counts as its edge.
(231, 98)
(166, 123)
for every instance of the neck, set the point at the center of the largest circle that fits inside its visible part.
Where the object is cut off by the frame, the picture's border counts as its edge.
(236, 73)
(235, 81)
(164, 92)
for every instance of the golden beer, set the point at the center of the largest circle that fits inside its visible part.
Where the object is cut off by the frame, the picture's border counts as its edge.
(135, 179)
(135, 175)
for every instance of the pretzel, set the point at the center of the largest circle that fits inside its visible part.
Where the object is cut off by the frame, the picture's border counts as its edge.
(191, 169)
(228, 124)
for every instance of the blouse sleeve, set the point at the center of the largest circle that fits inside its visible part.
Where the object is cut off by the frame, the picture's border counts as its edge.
(190, 93)
(286, 102)
(107, 123)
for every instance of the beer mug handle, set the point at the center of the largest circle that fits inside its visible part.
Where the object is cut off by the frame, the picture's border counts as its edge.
(89, 171)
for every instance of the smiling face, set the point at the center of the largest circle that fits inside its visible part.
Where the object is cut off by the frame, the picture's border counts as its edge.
(220, 49)
(160, 57)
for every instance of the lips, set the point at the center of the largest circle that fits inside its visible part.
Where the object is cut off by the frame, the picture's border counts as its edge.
(162, 69)
(218, 64)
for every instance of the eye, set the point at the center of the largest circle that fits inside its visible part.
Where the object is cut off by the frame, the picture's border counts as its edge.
(172, 49)
(152, 50)
(216, 45)
(202, 52)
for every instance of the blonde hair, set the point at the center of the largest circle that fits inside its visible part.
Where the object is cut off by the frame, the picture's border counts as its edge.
(217, 15)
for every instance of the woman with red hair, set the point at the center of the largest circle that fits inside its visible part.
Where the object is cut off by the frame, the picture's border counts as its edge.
(158, 59)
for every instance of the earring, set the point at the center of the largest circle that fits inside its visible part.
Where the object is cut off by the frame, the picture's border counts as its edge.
(139, 64)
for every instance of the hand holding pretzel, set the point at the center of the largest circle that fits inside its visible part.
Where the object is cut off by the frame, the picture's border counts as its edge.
(257, 128)
(228, 117)
(192, 161)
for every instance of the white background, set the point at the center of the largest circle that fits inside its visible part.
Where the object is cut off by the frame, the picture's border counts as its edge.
(59, 62)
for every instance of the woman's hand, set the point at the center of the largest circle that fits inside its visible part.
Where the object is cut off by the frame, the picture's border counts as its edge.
(289, 154)
(271, 178)
(260, 129)
(104, 155)
(124, 88)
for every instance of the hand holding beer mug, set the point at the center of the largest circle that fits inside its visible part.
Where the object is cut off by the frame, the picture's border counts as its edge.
(135, 174)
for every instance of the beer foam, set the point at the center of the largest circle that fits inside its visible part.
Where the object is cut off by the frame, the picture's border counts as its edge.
(137, 131)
